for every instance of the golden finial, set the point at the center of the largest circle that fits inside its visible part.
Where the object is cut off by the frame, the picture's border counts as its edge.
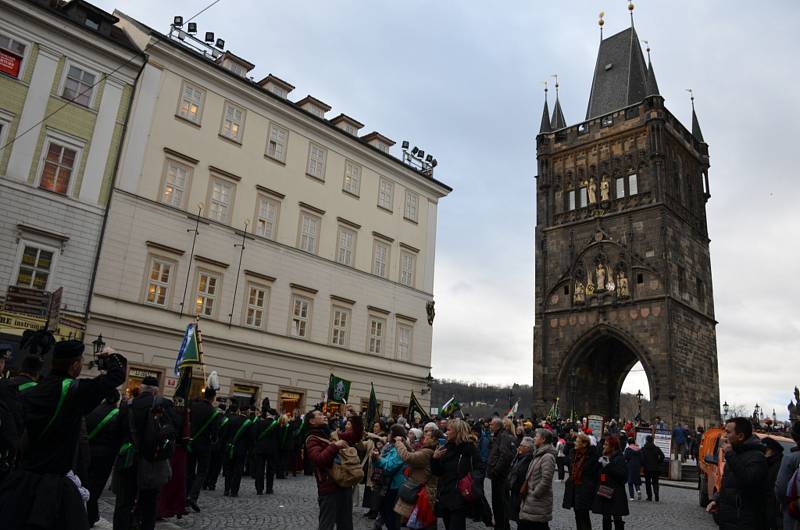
(630, 6)
(600, 22)
(556, 77)
(646, 43)
(691, 96)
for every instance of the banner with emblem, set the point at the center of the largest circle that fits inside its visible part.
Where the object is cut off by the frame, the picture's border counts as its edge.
(338, 390)
(415, 409)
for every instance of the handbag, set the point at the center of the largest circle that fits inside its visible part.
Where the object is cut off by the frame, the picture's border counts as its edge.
(606, 492)
(409, 491)
(466, 484)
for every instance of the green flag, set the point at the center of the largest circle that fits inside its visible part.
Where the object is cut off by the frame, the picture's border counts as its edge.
(414, 407)
(373, 409)
(184, 385)
(189, 352)
(338, 390)
(449, 408)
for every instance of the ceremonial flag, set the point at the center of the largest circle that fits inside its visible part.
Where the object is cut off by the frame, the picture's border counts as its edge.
(449, 408)
(415, 407)
(553, 413)
(189, 352)
(373, 410)
(513, 410)
(338, 390)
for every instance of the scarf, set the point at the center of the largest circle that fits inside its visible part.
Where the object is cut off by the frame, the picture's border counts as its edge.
(577, 465)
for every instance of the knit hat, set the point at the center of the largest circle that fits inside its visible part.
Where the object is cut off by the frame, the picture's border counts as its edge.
(150, 381)
(68, 349)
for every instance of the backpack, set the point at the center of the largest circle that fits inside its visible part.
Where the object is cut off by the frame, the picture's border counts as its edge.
(347, 470)
(792, 501)
(157, 441)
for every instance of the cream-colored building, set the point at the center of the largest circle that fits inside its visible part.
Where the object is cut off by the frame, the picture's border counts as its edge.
(66, 80)
(313, 252)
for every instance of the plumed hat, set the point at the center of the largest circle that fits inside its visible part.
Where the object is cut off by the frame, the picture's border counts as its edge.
(68, 349)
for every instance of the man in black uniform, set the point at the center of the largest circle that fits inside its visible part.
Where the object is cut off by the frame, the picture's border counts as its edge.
(28, 376)
(265, 434)
(54, 410)
(105, 438)
(215, 464)
(10, 421)
(237, 443)
(205, 422)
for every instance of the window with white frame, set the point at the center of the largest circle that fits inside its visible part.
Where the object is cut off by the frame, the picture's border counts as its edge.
(301, 316)
(350, 129)
(404, 338)
(582, 197)
(35, 265)
(59, 165)
(232, 122)
(340, 326)
(277, 142)
(220, 199)
(407, 268)
(352, 178)
(309, 232)
(267, 217)
(383, 146)
(256, 305)
(14, 46)
(191, 103)
(316, 161)
(5, 123)
(386, 194)
(380, 259)
(376, 331)
(345, 246)
(633, 184)
(79, 85)
(571, 200)
(316, 111)
(207, 290)
(411, 211)
(158, 282)
(620, 184)
(176, 183)
(278, 91)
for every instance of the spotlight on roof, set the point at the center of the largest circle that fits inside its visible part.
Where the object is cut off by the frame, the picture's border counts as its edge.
(192, 27)
(177, 21)
(220, 44)
(429, 158)
(421, 154)
(405, 144)
(434, 163)
(209, 36)
(415, 150)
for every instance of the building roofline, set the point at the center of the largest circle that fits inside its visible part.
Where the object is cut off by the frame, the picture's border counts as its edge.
(278, 81)
(348, 119)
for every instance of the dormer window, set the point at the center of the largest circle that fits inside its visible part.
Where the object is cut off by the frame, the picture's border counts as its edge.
(314, 106)
(347, 124)
(92, 23)
(378, 140)
(278, 91)
(276, 85)
(235, 64)
(236, 68)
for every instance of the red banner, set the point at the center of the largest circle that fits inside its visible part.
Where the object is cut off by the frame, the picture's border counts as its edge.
(10, 63)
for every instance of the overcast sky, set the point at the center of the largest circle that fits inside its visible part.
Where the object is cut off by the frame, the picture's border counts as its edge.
(463, 80)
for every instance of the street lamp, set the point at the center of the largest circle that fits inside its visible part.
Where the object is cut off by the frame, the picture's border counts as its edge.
(756, 412)
(97, 347)
(725, 408)
(428, 383)
(572, 384)
(639, 397)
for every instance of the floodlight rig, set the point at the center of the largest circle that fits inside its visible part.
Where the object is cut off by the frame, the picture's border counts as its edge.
(417, 159)
(209, 45)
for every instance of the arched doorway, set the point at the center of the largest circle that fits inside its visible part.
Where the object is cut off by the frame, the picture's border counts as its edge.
(592, 375)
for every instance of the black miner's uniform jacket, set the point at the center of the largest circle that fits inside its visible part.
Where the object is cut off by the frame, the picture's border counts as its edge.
(108, 439)
(54, 451)
(202, 411)
(244, 442)
(266, 444)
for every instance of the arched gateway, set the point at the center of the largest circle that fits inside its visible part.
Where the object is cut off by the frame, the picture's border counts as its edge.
(623, 271)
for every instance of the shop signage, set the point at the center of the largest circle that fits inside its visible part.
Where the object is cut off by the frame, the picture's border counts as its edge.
(27, 301)
(172, 382)
(15, 323)
(10, 63)
(141, 373)
(54, 309)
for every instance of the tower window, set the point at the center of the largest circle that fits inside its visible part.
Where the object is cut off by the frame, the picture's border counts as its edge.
(620, 187)
(566, 290)
(633, 184)
(640, 278)
(571, 200)
(582, 199)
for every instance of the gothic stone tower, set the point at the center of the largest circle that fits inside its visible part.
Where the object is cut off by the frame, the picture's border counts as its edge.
(623, 272)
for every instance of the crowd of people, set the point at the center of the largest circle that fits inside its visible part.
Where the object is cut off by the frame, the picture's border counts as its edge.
(63, 438)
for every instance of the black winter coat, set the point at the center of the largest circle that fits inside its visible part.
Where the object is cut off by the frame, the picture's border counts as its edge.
(265, 433)
(517, 475)
(652, 457)
(452, 467)
(742, 496)
(774, 514)
(201, 413)
(581, 497)
(501, 453)
(615, 474)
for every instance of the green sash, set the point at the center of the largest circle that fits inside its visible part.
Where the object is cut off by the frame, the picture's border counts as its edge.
(239, 432)
(65, 385)
(267, 430)
(25, 386)
(203, 428)
(108, 417)
(126, 456)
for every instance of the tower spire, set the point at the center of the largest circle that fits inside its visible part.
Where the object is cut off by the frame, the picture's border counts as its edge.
(558, 121)
(696, 132)
(651, 85)
(545, 126)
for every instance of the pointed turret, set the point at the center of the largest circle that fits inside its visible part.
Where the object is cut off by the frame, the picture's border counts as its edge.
(696, 132)
(545, 126)
(558, 121)
(651, 84)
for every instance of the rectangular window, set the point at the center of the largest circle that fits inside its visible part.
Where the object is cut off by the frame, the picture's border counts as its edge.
(176, 183)
(412, 206)
(386, 194)
(191, 103)
(380, 259)
(404, 335)
(256, 306)
(582, 198)
(383, 146)
(158, 282)
(340, 326)
(352, 178)
(345, 246)
(207, 287)
(571, 200)
(267, 217)
(407, 267)
(376, 331)
(15, 47)
(232, 122)
(350, 129)
(309, 232)
(220, 199)
(620, 187)
(58, 166)
(78, 85)
(35, 267)
(276, 144)
(301, 313)
(278, 91)
(316, 161)
(633, 184)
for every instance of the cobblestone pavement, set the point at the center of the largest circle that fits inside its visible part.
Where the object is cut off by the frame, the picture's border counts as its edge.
(294, 506)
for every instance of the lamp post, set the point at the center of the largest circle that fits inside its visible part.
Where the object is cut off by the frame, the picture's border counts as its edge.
(572, 384)
(428, 384)
(97, 346)
(725, 408)
(756, 413)
(639, 397)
